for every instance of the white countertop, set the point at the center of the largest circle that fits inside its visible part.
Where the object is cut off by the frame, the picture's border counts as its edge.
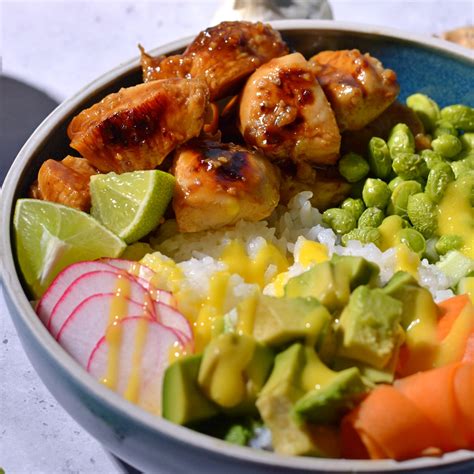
(60, 46)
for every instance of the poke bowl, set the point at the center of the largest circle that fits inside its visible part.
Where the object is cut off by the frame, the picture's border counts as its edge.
(428, 71)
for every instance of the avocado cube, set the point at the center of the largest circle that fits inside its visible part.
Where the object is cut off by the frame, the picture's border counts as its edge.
(370, 374)
(234, 369)
(182, 401)
(326, 405)
(466, 286)
(282, 320)
(399, 283)
(358, 270)
(456, 265)
(370, 326)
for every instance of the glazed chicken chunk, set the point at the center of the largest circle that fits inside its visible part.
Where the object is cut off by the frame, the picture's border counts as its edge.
(285, 114)
(65, 182)
(136, 128)
(357, 86)
(223, 56)
(218, 184)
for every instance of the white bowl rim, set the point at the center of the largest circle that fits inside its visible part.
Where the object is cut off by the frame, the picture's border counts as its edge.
(12, 283)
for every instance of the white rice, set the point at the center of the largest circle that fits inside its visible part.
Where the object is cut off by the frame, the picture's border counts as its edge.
(287, 228)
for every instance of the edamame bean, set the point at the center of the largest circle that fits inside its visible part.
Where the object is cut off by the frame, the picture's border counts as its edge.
(353, 167)
(401, 140)
(467, 141)
(355, 206)
(444, 127)
(461, 116)
(410, 166)
(438, 179)
(447, 146)
(413, 240)
(399, 198)
(462, 166)
(376, 193)
(379, 158)
(394, 183)
(371, 217)
(341, 221)
(422, 213)
(448, 242)
(430, 251)
(431, 158)
(426, 109)
(367, 235)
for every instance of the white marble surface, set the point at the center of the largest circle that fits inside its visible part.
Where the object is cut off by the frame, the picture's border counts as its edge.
(60, 46)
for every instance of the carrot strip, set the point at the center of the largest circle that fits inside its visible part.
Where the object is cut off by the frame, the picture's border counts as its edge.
(433, 394)
(389, 425)
(450, 310)
(426, 413)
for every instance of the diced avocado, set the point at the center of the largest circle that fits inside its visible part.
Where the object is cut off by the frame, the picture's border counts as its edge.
(359, 270)
(275, 404)
(370, 326)
(282, 320)
(466, 286)
(233, 370)
(183, 402)
(331, 282)
(370, 374)
(455, 265)
(327, 404)
(317, 282)
(397, 284)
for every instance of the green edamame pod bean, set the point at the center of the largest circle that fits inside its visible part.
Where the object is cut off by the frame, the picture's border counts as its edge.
(467, 141)
(376, 193)
(438, 179)
(395, 182)
(461, 116)
(401, 140)
(371, 217)
(447, 146)
(410, 166)
(379, 158)
(448, 242)
(431, 158)
(430, 251)
(341, 221)
(426, 109)
(462, 166)
(399, 198)
(367, 235)
(353, 167)
(444, 127)
(422, 213)
(355, 206)
(413, 240)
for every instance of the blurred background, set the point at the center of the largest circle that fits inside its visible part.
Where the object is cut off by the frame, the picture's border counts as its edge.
(50, 50)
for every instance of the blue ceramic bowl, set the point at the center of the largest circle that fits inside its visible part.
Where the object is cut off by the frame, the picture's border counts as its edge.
(433, 66)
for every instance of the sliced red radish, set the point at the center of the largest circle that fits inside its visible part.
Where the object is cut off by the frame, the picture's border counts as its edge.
(60, 284)
(144, 353)
(87, 324)
(96, 282)
(173, 319)
(145, 276)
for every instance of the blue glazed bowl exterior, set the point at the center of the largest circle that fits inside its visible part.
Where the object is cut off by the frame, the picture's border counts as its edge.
(445, 72)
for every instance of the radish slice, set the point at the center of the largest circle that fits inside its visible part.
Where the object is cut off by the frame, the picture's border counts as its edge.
(61, 283)
(92, 283)
(143, 355)
(173, 319)
(145, 276)
(87, 324)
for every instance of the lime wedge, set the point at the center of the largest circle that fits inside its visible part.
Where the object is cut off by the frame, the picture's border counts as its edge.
(131, 204)
(50, 236)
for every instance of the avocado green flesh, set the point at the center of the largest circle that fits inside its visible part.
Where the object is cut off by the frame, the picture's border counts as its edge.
(370, 326)
(282, 320)
(183, 402)
(327, 404)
